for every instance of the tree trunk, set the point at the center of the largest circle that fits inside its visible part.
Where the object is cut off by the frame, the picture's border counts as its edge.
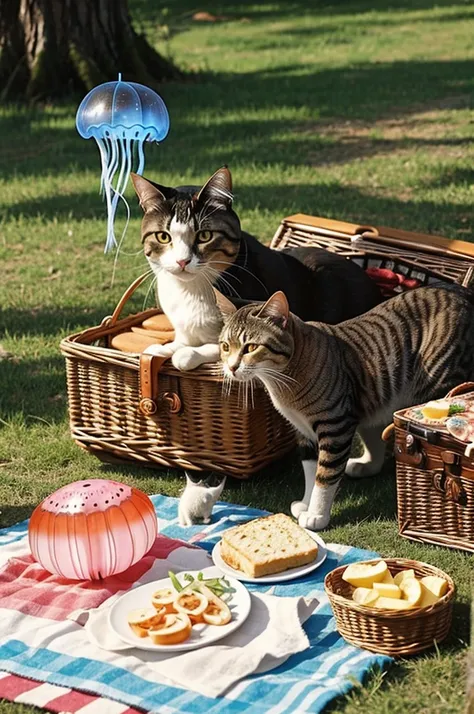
(50, 48)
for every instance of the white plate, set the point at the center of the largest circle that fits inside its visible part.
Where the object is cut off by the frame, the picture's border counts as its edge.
(275, 577)
(201, 634)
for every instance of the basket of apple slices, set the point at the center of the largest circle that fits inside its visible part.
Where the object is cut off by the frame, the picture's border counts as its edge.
(394, 606)
(173, 611)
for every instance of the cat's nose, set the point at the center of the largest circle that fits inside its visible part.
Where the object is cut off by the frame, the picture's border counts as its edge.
(233, 366)
(183, 263)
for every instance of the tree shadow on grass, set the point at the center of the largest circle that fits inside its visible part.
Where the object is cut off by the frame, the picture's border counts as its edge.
(145, 11)
(33, 390)
(362, 92)
(18, 322)
(10, 515)
(328, 199)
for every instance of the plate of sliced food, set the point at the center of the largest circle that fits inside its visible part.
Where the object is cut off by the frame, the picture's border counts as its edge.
(185, 611)
(269, 550)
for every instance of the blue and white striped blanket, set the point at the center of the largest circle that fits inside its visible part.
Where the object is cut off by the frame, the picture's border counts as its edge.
(306, 682)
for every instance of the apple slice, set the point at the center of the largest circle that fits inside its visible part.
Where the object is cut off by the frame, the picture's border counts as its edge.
(389, 603)
(388, 578)
(388, 590)
(411, 589)
(365, 596)
(427, 597)
(364, 575)
(436, 585)
(400, 577)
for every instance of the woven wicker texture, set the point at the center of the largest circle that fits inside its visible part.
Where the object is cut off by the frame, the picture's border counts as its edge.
(415, 255)
(395, 633)
(194, 425)
(435, 484)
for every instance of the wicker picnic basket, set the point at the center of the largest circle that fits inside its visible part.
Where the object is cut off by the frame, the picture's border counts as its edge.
(435, 481)
(129, 408)
(419, 256)
(392, 632)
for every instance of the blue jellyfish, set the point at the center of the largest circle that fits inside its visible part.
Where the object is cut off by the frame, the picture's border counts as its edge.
(121, 116)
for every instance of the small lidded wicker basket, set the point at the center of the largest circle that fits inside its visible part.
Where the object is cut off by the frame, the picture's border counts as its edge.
(396, 633)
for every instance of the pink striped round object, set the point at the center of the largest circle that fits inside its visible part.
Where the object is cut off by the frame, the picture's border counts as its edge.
(91, 529)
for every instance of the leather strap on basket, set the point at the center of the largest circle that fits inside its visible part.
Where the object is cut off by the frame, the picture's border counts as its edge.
(447, 479)
(150, 366)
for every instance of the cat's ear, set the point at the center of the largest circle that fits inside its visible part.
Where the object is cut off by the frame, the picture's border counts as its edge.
(277, 309)
(150, 194)
(226, 307)
(217, 190)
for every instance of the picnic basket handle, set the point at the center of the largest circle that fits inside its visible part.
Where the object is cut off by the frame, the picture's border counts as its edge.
(150, 365)
(460, 389)
(125, 297)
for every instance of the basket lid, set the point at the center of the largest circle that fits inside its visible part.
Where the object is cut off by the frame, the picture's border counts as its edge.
(451, 416)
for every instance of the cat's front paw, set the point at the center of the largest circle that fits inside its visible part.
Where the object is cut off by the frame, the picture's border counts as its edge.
(298, 507)
(186, 358)
(360, 468)
(312, 521)
(159, 350)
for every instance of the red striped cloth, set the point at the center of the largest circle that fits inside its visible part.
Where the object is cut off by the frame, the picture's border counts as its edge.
(27, 588)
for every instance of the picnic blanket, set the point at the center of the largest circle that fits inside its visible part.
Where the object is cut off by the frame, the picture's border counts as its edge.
(36, 667)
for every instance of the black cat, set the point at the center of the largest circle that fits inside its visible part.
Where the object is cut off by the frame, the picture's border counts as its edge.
(201, 224)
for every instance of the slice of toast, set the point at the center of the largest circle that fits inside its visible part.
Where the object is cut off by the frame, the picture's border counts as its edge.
(267, 545)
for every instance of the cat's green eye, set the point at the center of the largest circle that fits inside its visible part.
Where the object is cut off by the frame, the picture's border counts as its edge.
(250, 348)
(163, 237)
(204, 236)
(225, 347)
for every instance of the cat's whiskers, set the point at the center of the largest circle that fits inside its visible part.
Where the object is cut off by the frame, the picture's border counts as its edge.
(218, 278)
(150, 288)
(241, 267)
(207, 278)
(220, 271)
(274, 378)
(226, 385)
(282, 375)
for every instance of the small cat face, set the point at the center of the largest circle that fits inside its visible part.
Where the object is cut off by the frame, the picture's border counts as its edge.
(255, 341)
(189, 231)
(209, 480)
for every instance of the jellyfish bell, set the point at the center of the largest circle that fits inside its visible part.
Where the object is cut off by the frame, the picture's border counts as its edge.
(121, 117)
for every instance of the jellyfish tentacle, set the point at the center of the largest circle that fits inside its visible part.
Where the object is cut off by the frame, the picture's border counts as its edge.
(105, 159)
(119, 190)
(122, 158)
(117, 252)
(114, 157)
(141, 155)
(107, 192)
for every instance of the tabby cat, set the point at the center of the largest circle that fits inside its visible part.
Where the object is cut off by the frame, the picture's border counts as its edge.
(329, 380)
(193, 241)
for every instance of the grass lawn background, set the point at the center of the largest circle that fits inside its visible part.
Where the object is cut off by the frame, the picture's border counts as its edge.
(356, 110)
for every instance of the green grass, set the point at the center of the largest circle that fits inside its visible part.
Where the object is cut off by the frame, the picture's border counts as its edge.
(352, 110)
